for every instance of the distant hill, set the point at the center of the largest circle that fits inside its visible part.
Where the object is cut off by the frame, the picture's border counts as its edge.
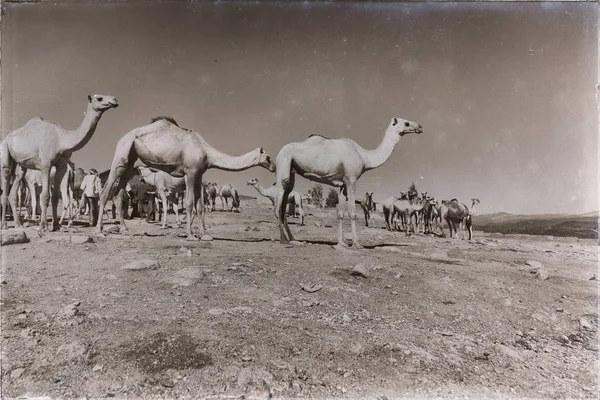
(583, 226)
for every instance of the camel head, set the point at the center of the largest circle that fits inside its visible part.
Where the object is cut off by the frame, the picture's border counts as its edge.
(474, 202)
(252, 182)
(403, 196)
(404, 127)
(265, 160)
(102, 103)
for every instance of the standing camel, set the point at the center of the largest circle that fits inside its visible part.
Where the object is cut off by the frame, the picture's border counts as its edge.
(41, 145)
(455, 213)
(180, 152)
(294, 197)
(226, 192)
(335, 162)
(367, 206)
(212, 191)
(33, 179)
(167, 188)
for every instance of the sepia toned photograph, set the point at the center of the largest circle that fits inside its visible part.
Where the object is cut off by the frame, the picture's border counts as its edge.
(282, 200)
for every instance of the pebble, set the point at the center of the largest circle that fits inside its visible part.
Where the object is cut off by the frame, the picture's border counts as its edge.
(112, 229)
(359, 270)
(141, 265)
(310, 288)
(15, 236)
(534, 264)
(585, 323)
(16, 373)
(97, 368)
(346, 318)
(542, 274)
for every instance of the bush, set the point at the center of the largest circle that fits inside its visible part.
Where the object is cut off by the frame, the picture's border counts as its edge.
(332, 198)
(316, 192)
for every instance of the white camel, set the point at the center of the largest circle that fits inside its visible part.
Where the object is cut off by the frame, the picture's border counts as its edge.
(167, 187)
(294, 198)
(335, 162)
(227, 191)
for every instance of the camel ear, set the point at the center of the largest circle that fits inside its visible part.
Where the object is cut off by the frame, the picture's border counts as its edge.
(89, 98)
(395, 121)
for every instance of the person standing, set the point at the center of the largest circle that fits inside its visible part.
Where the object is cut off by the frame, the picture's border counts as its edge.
(91, 186)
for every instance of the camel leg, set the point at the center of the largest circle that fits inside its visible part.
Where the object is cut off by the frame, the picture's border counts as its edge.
(386, 215)
(189, 203)
(283, 193)
(55, 194)
(163, 199)
(469, 223)
(14, 190)
(67, 201)
(352, 213)
(175, 206)
(301, 213)
(6, 171)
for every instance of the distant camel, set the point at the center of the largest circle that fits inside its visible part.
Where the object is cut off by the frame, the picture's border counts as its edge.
(455, 213)
(227, 191)
(294, 197)
(409, 209)
(41, 145)
(336, 162)
(164, 145)
(167, 188)
(213, 192)
(367, 205)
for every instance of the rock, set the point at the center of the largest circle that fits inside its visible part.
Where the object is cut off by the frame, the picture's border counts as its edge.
(534, 264)
(14, 236)
(296, 243)
(356, 348)
(346, 318)
(542, 274)
(585, 323)
(97, 368)
(398, 275)
(68, 311)
(206, 238)
(112, 229)
(81, 239)
(254, 376)
(16, 373)
(70, 351)
(310, 288)
(216, 311)
(509, 352)
(139, 265)
(594, 278)
(256, 229)
(359, 270)
(318, 224)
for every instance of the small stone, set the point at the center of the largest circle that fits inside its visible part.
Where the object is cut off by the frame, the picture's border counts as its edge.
(585, 323)
(16, 373)
(394, 292)
(318, 224)
(542, 274)
(310, 288)
(560, 310)
(594, 278)
(346, 318)
(398, 275)
(139, 265)
(81, 239)
(447, 334)
(447, 302)
(15, 236)
(97, 368)
(359, 270)
(246, 358)
(69, 311)
(216, 311)
(534, 264)
(71, 351)
(256, 229)
(356, 348)
(206, 238)
(112, 229)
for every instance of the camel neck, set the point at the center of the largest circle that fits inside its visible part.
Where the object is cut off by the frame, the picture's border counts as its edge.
(375, 158)
(265, 192)
(78, 138)
(219, 160)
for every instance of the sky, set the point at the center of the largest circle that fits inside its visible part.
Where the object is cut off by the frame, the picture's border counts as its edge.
(505, 92)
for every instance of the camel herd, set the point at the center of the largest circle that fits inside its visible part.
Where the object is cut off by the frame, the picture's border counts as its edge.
(175, 160)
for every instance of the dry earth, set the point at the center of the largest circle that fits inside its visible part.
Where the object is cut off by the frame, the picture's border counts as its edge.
(228, 318)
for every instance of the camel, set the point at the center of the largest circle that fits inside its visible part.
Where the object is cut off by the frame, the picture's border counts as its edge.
(294, 197)
(226, 192)
(409, 208)
(180, 152)
(33, 180)
(335, 162)
(41, 145)
(367, 205)
(388, 211)
(78, 175)
(455, 213)
(167, 187)
(212, 191)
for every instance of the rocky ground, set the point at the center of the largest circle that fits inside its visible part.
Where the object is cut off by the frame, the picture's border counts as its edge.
(151, 315)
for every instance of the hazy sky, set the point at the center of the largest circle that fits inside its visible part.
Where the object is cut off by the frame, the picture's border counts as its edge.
(504, 91)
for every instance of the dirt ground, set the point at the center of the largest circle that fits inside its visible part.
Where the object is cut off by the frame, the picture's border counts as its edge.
(432, 318)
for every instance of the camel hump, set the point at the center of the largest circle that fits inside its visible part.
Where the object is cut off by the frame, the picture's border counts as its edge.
(317, 135)
(164, 118)
(454, 200)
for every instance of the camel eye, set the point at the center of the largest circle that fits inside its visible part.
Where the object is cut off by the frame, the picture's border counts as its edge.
(406, 124)
(99, 98)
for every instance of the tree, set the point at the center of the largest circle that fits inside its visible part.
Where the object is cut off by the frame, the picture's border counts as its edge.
(332, 199)
(316, 192)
